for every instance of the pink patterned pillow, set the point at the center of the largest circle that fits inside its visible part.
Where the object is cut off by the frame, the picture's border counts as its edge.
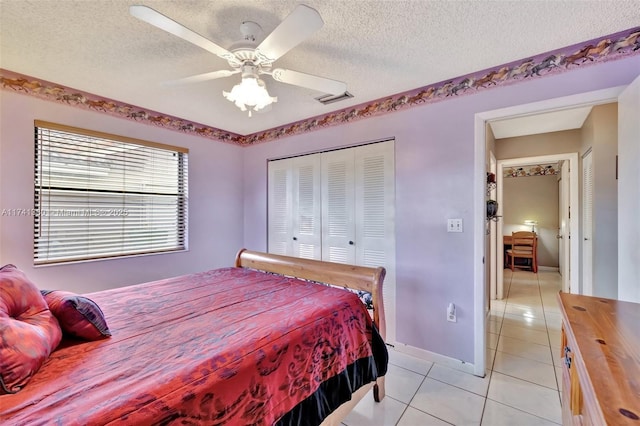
(28, 330)
(78, 316)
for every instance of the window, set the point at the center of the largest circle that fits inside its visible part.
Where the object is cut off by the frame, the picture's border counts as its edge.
(101, 196)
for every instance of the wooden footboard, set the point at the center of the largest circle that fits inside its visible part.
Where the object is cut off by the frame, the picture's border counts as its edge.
(350, 276)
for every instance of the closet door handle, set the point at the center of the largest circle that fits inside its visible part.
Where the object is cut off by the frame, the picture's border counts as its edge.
(350, 243)
(295, 238)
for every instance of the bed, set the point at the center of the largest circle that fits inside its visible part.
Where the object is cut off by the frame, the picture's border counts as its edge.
(259, 343)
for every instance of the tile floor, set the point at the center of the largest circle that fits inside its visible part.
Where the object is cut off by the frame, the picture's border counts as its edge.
(523, 369)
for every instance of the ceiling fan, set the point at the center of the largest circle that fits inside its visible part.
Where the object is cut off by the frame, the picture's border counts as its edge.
(251, 60)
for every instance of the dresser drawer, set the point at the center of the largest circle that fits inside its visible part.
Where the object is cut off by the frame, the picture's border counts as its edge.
(572, 397)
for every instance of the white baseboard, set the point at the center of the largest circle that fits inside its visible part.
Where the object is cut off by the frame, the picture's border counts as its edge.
(423, 354)
(548, 268)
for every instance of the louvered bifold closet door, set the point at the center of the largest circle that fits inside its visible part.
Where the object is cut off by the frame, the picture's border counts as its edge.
(374, 182)
(375, 218)
(280, 201)
(307, 224)
(338, 206)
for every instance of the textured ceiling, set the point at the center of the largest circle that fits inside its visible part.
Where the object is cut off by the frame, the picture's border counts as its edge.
(379, 48)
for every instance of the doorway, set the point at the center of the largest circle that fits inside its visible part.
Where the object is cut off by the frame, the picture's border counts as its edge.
(569, 245)
(481, 311)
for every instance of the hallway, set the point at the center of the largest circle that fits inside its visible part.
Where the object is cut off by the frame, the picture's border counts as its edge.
(523, 369)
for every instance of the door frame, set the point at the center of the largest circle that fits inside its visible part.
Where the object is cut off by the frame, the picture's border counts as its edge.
(564, 217)
(587, 247)
(574, 207)
(479, 184)
(493, 235)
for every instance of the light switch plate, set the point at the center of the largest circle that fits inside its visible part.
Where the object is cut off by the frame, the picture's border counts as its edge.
(454, 225)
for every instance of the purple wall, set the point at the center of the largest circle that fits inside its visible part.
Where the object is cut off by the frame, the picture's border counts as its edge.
(215, 199)
(434, 182)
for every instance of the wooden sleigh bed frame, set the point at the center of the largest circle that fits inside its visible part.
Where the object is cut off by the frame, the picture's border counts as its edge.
(188, 364)
(359, 278)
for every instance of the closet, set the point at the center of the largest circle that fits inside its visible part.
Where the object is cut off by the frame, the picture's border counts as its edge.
(337, 206)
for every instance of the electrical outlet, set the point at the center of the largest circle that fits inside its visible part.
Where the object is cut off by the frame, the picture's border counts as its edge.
(451, 313)
(454, 225)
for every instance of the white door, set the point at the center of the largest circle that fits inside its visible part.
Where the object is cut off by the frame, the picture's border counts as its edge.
(279, 202)
(587, 224)
(629, 193)
(375, 243)
(338, 206)
(306, 219)
(564, 247)
(374, 208)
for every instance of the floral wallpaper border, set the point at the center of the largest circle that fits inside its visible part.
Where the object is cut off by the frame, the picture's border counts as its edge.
(612, 47)
(535, 170)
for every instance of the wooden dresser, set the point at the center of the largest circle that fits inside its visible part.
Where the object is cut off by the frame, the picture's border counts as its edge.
(601, 369)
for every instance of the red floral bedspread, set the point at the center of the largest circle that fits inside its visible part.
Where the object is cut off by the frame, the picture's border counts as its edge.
(228, 346)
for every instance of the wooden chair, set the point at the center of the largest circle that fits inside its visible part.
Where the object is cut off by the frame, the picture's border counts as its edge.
(524, 245)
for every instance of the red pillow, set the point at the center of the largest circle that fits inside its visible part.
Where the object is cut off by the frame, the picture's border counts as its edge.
(28, 330)
(78, 316)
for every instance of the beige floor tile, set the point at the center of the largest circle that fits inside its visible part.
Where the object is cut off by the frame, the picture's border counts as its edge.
(520, 321)
(553, 320)
(492, 340)
(449, 403)
(526, 311)
(530, 302)
(525, 369)
(524, 287)
(494, 326)
(491, 354)
(524, 349)
(523, 332)
(497, 306)
(371, 413)
(525, 396)
(549, 295)
(414, 417)
(402, 384)
(555, 339)
(559, 378)
(496, 414)
(409, 362)
(549, 308)
(460, 379)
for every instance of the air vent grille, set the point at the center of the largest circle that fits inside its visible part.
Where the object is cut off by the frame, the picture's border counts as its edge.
(329, 99)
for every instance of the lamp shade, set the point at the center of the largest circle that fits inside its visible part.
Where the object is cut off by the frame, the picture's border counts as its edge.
(251, 93)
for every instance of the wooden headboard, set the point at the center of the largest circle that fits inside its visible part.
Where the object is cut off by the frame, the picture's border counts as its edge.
(350, 276)
(354, 277)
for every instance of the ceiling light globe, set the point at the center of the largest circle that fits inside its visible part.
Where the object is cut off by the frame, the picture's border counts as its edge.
(252, 93)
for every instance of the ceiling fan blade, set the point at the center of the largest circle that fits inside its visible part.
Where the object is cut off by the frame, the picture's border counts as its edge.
(158, 20)
(202, 77)
(295, 28)
(321, 84)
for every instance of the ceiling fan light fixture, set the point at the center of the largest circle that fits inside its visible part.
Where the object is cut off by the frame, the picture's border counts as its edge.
(251, 93)
(253, 60)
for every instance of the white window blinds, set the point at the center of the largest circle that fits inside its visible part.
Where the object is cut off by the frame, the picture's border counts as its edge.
(100, 195)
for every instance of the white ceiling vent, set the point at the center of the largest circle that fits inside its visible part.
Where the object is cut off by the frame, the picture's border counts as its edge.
(329, 99)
